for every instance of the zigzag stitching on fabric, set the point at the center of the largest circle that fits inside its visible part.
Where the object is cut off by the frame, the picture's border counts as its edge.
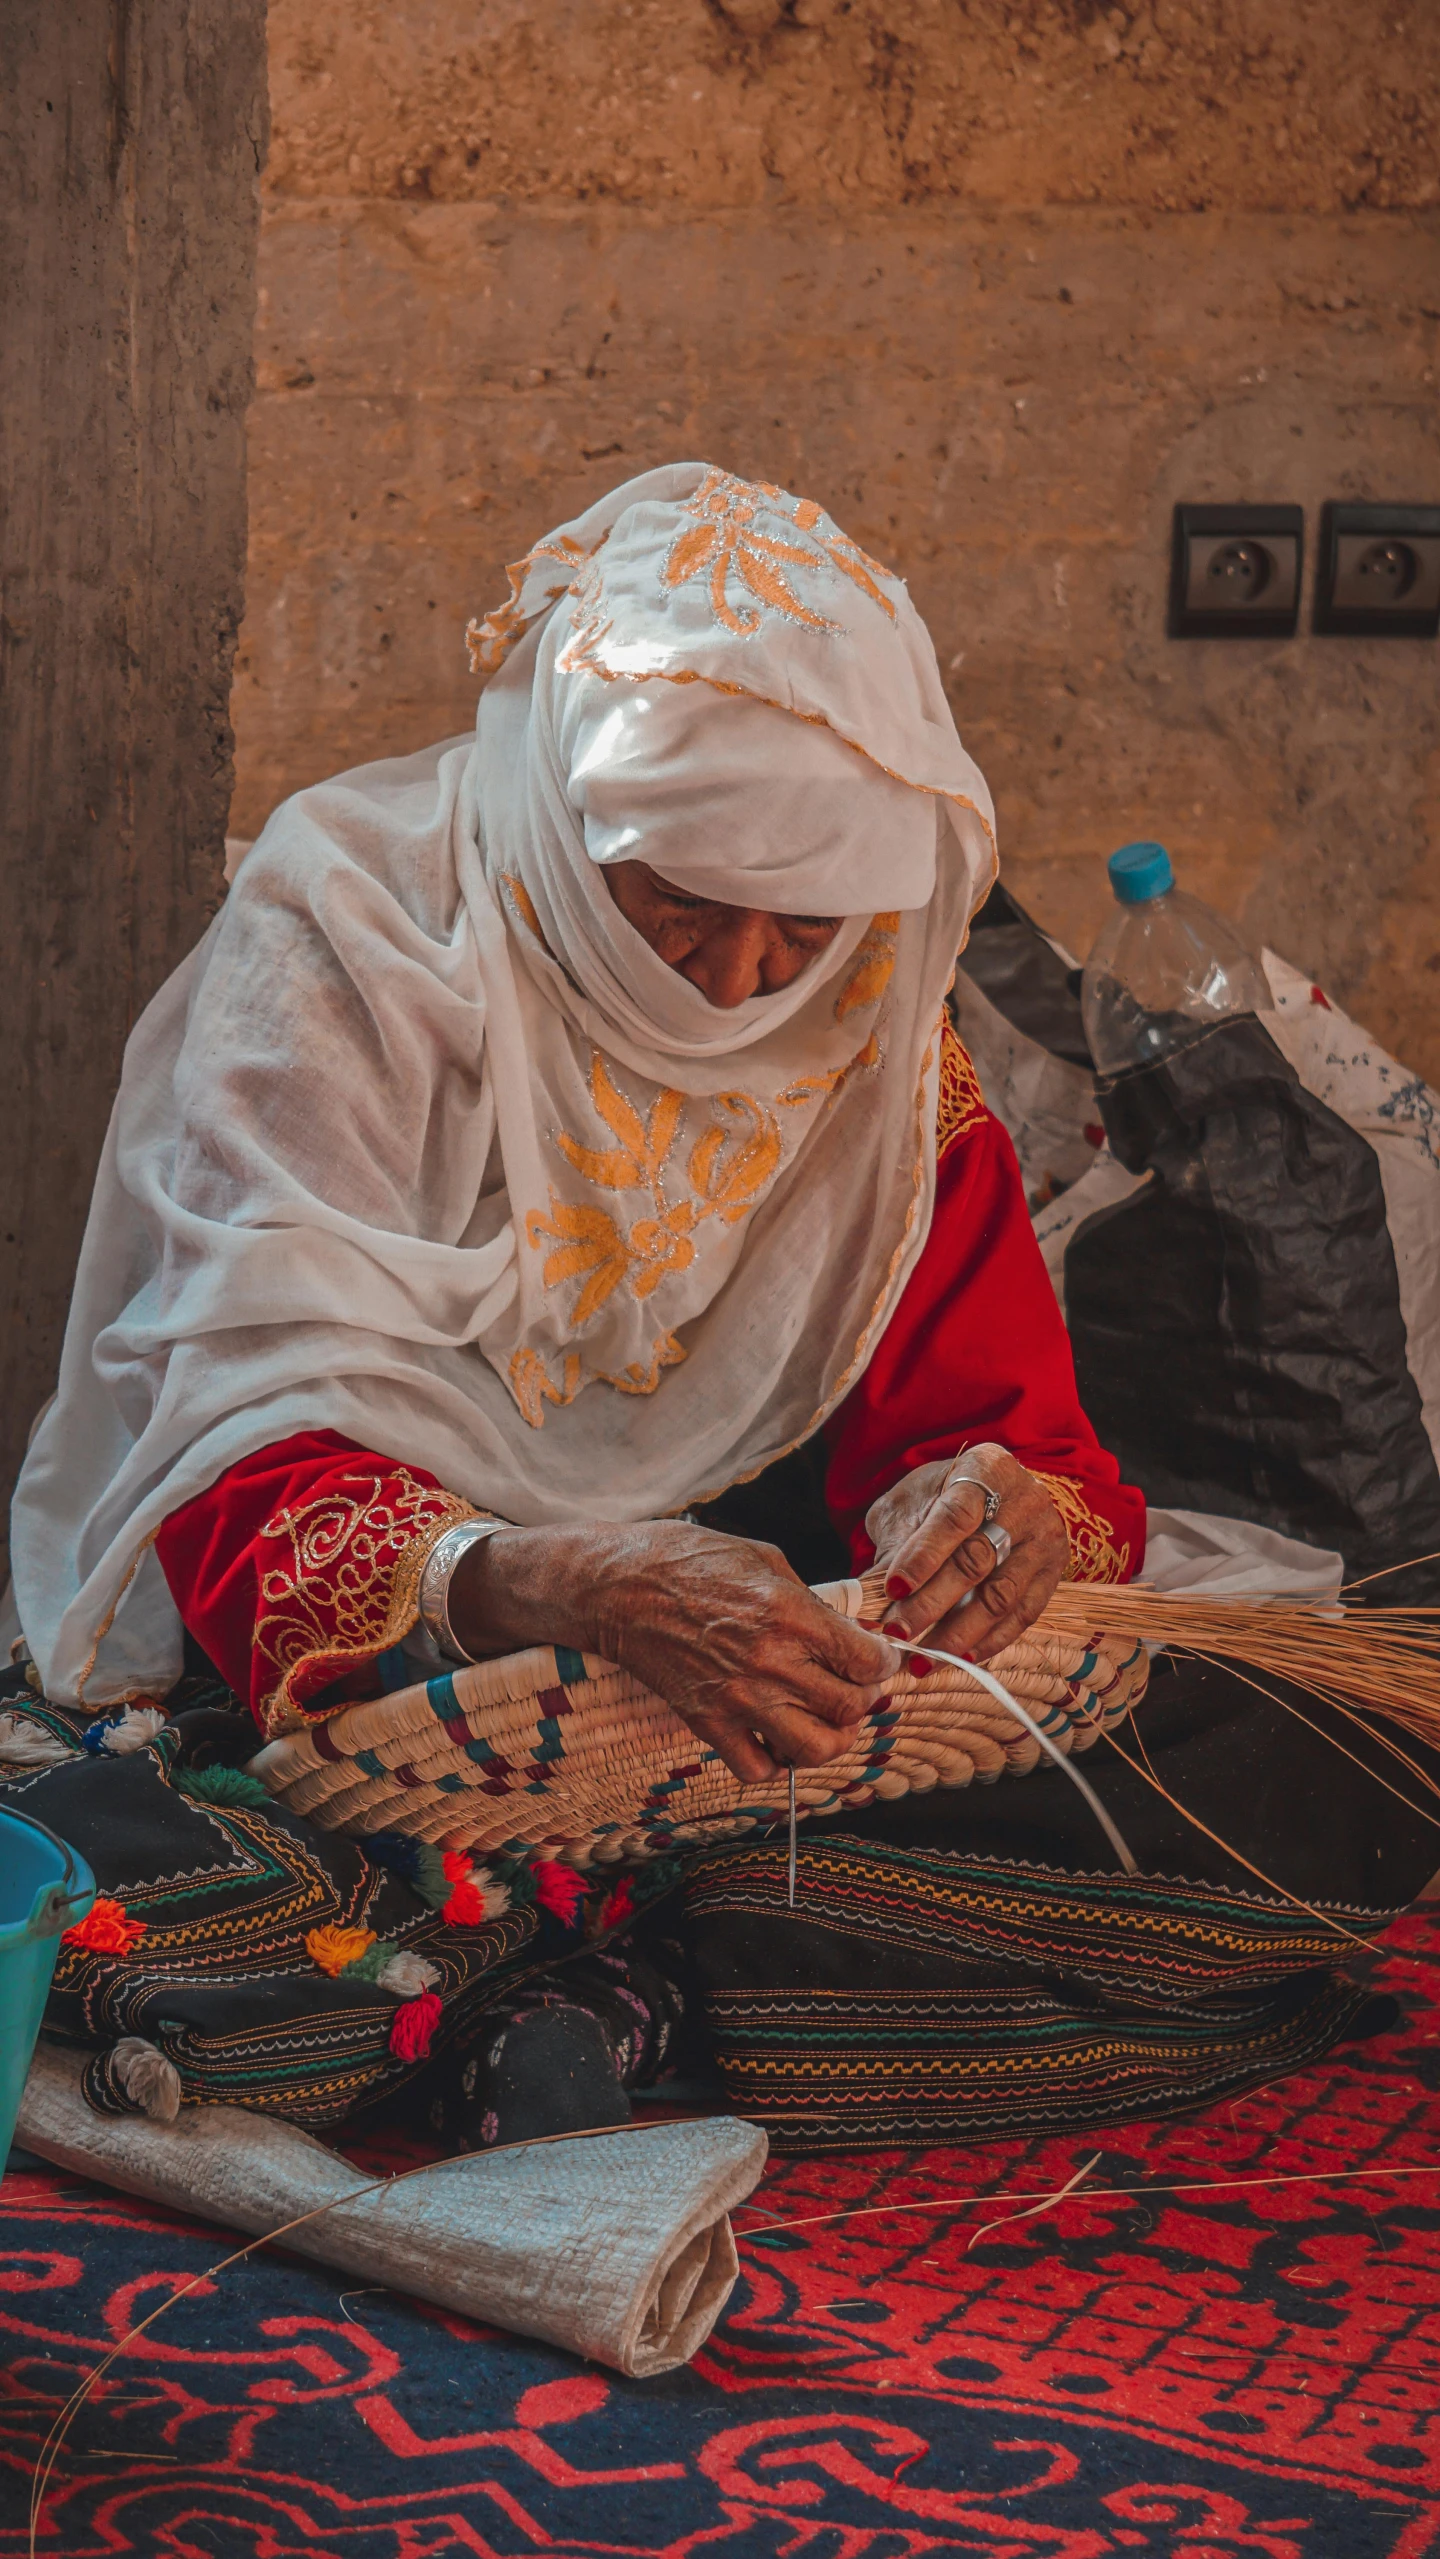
(1108, 1883)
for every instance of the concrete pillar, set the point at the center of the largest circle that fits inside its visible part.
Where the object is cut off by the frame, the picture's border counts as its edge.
(132, 134)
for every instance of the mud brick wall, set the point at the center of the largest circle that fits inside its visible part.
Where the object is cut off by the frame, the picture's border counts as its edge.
(997, 283)
(131, 135)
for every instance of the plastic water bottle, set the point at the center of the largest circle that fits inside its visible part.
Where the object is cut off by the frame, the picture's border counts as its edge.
(1163, 969)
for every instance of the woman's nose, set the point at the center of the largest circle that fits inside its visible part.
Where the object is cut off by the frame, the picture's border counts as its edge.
(729, 965)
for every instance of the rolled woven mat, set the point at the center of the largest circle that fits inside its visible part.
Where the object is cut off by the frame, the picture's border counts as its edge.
(554, 1753)
(617, 2245)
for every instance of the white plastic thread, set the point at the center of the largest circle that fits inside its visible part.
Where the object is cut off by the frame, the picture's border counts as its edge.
(1022, 1715)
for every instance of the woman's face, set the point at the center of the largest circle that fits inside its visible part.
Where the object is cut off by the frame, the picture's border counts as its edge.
(729, 952)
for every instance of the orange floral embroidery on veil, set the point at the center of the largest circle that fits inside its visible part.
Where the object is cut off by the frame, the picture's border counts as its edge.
(725, 542)
(533, 1387)
(490, 641)
(728, 1169)
(872, 968)
(523, 904)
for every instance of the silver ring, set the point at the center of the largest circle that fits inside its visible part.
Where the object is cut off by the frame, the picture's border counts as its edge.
(1002, 1542)
(1000, 1538)
(992, 1498)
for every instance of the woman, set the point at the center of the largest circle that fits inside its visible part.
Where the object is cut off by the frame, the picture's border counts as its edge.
(554, 1132)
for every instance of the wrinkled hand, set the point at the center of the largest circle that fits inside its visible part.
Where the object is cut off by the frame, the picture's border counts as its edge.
(926, 1544)
(734, 1641)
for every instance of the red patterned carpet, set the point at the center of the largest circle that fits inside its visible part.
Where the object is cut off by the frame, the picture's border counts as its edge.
(1190, 2376)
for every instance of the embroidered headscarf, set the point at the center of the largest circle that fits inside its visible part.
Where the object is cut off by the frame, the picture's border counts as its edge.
(425, 1145)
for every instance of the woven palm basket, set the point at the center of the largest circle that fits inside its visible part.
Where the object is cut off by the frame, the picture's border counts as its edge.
(552, 1753)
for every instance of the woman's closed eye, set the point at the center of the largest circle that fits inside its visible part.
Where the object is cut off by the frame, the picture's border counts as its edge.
(811, 927)
(796, 928)
(678, 902)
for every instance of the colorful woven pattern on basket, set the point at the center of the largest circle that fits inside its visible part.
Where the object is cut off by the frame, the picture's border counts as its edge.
(551, 1750)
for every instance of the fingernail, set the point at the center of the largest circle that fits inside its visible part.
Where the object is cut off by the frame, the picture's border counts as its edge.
(897, 1634)
(897, 1587)
(918, 1667)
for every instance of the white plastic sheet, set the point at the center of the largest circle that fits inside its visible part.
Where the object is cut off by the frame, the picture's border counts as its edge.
(617, 2245)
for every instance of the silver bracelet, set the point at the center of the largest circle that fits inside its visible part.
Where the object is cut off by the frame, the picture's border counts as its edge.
(436, 1578)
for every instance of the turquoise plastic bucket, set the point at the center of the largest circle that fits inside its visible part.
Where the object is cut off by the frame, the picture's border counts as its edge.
(44, 1887)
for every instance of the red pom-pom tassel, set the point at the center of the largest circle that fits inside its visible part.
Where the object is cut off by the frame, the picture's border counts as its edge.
(414, 2026)
(559, 1890)
(466, 1907)
(106, 1929)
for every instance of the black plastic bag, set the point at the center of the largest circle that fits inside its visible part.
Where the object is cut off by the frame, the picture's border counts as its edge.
(1236, 1325)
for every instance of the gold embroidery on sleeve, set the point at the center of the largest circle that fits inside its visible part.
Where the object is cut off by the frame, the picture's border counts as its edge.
(1094, 1555)
(345, 1583)
(962, 1105)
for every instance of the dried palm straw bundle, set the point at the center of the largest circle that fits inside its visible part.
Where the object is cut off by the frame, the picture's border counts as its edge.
(1367, 1661)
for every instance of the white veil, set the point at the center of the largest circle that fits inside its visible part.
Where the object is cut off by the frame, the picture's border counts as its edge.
(424, 1145)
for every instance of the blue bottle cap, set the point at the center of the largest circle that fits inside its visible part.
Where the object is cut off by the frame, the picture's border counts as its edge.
(1139, 871)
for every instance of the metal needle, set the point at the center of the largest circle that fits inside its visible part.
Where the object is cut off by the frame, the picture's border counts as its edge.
(790, 1878)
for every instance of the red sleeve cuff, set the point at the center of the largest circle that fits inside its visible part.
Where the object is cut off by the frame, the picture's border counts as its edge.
(301, 1567)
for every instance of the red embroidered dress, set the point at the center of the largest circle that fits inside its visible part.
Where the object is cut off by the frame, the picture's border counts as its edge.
(299, 1570)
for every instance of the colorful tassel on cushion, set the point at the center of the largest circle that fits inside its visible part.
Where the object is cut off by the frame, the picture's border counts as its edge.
(148, 2078)
(357, 1954)
(335, 1949)
(619, 1905)
(106, 1929)
(370, 1958)
(133, 2078)
(25, 1742)
(131, 1729)
(443, 1878)
(371, 1961)
(421, 1864)
(559, 1890)
(407, 1975)
(474, 1895)
(223, 1786)
(414, 2027)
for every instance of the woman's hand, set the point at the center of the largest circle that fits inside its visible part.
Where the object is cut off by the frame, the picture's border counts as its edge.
(942, 1577)
(720, 1627)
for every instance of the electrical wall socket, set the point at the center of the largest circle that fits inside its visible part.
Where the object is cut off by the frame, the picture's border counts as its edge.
(1235, 572)
(1379, 571)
